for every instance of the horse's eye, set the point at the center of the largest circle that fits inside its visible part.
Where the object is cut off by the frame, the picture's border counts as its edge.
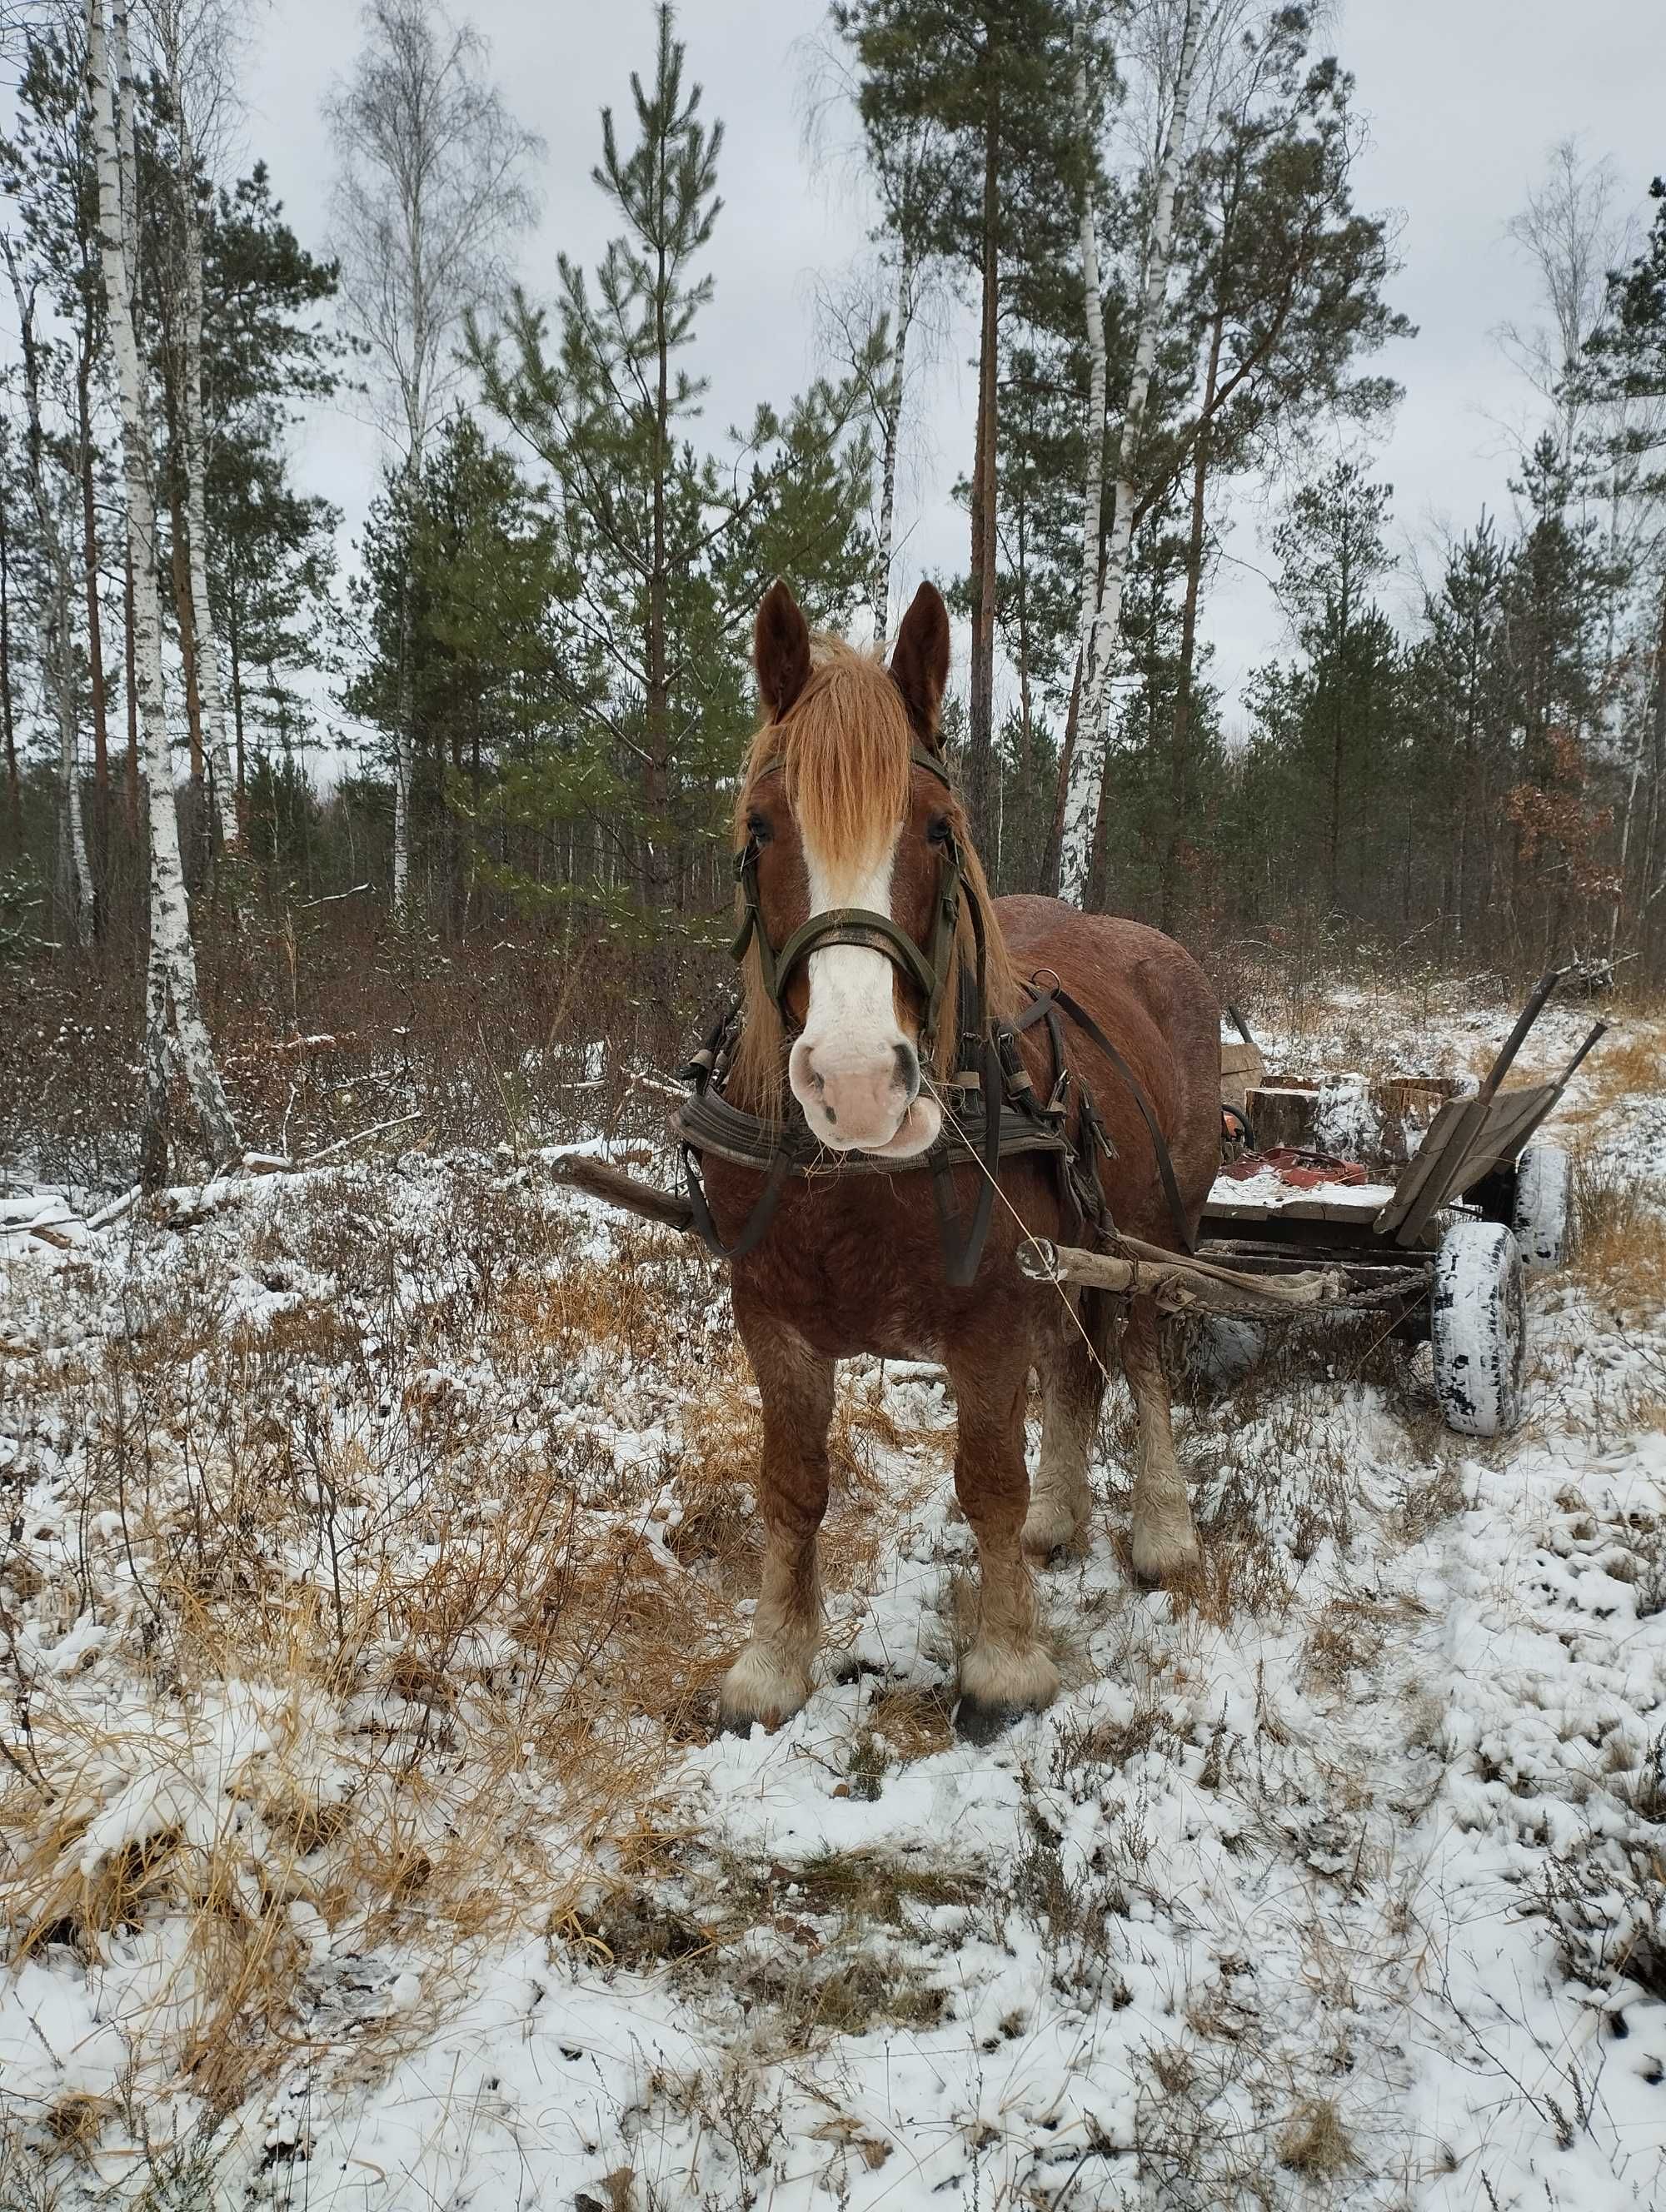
(758, 828)
(941, 829)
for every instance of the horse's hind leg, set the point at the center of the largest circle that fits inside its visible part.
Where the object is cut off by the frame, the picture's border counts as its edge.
(771, 1680)
(1164, 1536)
(1007, 1670)
(1073, 1391)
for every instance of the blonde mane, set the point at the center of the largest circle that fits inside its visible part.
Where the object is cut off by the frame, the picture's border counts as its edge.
(845, 750)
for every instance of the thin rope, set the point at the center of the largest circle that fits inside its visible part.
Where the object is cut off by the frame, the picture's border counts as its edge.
(958, 1127)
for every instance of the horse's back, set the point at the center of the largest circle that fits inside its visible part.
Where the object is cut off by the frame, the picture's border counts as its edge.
(1154, 1002)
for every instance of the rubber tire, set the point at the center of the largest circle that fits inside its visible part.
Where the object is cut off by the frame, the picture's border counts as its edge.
(1478, 1327)
(1542, 1216)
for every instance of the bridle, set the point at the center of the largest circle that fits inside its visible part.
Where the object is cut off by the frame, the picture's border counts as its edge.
(927, 967)
(1001, 1114)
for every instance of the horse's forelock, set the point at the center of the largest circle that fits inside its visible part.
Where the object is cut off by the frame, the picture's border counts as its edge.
(846, 753)
(845, 750)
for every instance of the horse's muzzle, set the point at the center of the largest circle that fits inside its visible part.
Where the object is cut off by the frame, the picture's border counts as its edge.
(857, 1101)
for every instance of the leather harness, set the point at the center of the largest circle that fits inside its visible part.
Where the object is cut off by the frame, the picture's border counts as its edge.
(994, 1113)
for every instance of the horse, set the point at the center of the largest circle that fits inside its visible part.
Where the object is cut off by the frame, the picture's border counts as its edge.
(845, 803)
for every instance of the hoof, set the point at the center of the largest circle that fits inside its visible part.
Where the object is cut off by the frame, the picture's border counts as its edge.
(1157, 1563)
(977, 1721)
(1053, 1540)
(998, 1687)
(757, 1687)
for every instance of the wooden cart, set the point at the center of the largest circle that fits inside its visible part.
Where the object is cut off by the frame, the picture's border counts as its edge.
(1474, 1207)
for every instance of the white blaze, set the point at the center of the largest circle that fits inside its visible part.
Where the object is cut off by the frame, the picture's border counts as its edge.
(846, 1068)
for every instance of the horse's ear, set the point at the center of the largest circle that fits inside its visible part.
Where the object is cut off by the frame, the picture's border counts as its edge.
(781, 650)
(919, 661)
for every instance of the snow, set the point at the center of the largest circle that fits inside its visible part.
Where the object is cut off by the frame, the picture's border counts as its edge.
(1373, 1827)
(1268, 1188)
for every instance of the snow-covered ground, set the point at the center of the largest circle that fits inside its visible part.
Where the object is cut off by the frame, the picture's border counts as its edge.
(375, 1538)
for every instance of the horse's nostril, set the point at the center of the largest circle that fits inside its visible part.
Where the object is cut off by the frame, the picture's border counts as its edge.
(907, 1070)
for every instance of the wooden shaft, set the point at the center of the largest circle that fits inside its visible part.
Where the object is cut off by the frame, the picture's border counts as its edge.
(1601, 1030)
(669, 1208)
(1148, 1268)
(1513, 1044)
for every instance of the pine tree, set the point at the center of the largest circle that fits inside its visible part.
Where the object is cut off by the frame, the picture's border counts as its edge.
(994, 81)
(265, 350)
(1331, 550)
(477, 553)
(669, 552)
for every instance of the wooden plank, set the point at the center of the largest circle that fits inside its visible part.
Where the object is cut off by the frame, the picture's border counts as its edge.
(1274, 1227)
(1512, 1118)
(1466, 1140)
(1418, 1194)
(1241, 1068)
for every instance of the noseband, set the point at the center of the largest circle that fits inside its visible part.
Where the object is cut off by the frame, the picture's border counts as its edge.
(927, 968)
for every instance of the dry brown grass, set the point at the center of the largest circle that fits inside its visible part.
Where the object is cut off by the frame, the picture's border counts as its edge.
(1316, 2142)
(912, 1722)
(1620, 1253)
(423, 1609)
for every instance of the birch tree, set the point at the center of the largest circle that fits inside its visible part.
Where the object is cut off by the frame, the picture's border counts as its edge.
(876, 319)
(1100, 632)
(191, 38)
(74, 877)
(171, 981)
(1093, 481)
(868, 325)
(431, 183)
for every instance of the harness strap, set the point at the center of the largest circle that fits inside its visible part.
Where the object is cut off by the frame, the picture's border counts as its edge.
(857, 925)
(1078, 1013)
(756, 1227)
(963, 1249)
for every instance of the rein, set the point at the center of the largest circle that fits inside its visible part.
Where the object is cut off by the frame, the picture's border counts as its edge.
(991, 1070)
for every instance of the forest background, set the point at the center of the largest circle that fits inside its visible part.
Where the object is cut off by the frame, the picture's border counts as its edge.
(457, 771)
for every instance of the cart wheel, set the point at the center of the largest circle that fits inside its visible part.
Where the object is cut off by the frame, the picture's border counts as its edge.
(1543, 1214)
(1478, 1329)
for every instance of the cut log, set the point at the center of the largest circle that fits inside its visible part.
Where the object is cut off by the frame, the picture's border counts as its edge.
(1282, 1114)
(1241, 1070)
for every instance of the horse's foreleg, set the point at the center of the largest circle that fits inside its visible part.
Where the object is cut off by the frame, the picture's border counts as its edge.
(1164, 1536)
(1073, 1391)
(771, 1680)
(1007, 1670)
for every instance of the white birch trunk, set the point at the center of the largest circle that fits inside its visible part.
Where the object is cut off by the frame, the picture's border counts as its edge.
(891, 432)
(1087, 769)
(74, 876)
(405, 706)
(1093, 487)
(209, 692)
(75, 872)
(172, 953)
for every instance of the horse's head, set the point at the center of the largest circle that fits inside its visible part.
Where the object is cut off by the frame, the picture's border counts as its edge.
(841, 814)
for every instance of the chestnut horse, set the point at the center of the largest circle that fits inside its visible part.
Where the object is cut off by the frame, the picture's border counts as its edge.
(840, 812)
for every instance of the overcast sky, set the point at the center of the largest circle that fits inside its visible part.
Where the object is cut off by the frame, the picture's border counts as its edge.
(1464, 98)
